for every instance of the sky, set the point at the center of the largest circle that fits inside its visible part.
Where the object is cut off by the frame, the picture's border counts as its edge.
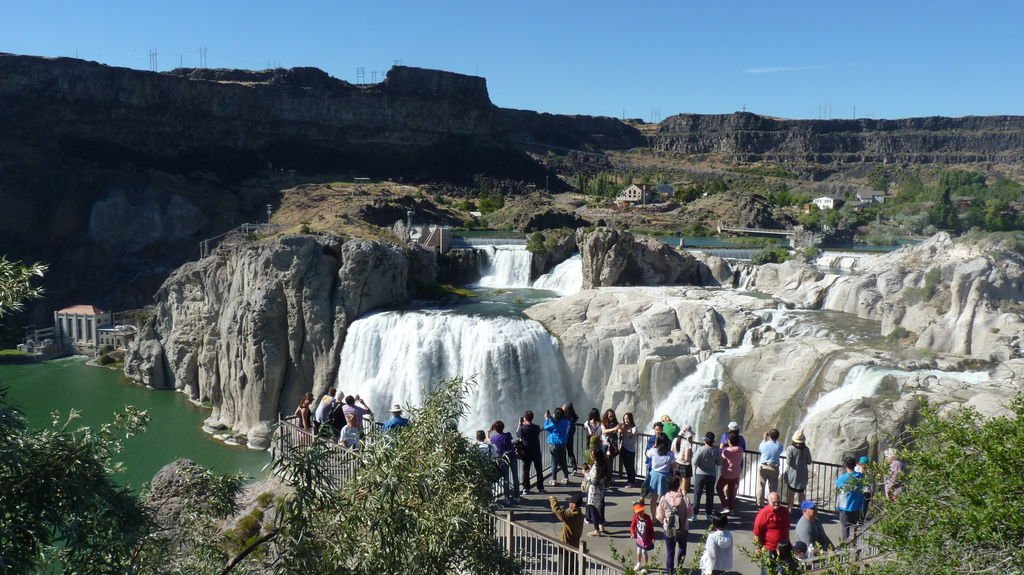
(639, 59)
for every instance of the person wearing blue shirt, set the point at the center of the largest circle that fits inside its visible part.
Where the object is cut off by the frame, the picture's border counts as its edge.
(396, 419)
(768, 470)
(557, 429)
(850, 503)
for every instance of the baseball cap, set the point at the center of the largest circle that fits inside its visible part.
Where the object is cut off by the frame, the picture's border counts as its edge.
(638, 507)
(733, 426)
(808, 505)
(863, 460)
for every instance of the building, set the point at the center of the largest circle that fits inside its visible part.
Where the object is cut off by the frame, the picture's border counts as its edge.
(116, 336)
(637, 194)
(77, 327)
(824, 203)
(876, 197)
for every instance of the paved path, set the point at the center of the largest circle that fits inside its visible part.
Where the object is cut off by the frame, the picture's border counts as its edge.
(533, 511)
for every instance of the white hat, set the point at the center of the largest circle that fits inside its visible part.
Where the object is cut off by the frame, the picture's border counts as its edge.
(733, 426)
(396, 408)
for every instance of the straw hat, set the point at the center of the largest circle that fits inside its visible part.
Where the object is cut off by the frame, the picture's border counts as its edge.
(798, 437)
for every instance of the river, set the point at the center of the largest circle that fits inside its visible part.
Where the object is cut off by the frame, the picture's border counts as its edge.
(96, 393)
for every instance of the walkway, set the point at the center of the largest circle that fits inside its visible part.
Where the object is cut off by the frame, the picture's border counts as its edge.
(534, 512)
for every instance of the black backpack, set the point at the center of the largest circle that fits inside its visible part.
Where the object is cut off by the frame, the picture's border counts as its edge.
(519, 448)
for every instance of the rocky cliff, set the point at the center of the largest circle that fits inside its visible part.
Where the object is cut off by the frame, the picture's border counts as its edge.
(748, 137)
(955, 296)
(612, 257)
(256, 325)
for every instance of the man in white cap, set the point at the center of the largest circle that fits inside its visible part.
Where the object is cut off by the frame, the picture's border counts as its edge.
(396, 419)
(733, 428)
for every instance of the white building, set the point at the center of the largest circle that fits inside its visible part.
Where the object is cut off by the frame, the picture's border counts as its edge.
(824, 203)
(77, 326)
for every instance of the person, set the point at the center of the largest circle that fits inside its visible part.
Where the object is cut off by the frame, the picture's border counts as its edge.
(801, 552)
(768, 465)
(349, 437)
(641, 530)
(323, 410)
(706, 460)
(487, 450)
(810, 531)
(595, 478)
(570, 444)
(592, 426)
(507, 467)
(798, 460)
(354, 414)
(864, 468)
(893, 481)
(571, 518)
(717, 556)
(627, 449)
(729, 478)
(529, 433)
(396, 420)
(674, 510)
(661, 469)
(683, 450)
(658, 429)
(771, 524)
(302, 412)
(557, 428)
(850, 502)
(669, 427)
(783, 561)
(610, 434)
(862, 464)
(733, 428)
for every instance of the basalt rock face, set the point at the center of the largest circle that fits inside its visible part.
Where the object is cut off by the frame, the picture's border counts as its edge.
(113, 176)
(252, 327)
(748, 137)
(953, 295)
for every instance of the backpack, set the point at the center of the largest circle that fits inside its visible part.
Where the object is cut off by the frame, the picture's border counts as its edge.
(674, 527)
(519, 448)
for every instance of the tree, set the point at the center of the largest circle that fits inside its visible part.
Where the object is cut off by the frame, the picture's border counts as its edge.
(535, 245)
(960, 509)
(16, 284)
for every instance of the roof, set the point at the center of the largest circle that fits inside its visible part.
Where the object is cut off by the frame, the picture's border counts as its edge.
(82, 310)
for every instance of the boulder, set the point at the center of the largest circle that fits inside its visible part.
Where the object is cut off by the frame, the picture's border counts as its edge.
(613, 257)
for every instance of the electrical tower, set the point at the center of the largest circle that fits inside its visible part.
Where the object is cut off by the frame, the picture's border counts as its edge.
(152, 61)
(360, 76)
(202, 57)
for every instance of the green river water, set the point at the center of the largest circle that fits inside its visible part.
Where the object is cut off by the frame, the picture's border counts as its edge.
(175, 424)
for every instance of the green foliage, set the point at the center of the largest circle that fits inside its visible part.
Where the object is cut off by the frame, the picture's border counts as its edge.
(786, 198)
(16, 284)
(771, 255)
(960, 507)
(770, 170)
(536, 244)
(878, 179)
(305, 229)
(465, 205)
(59, 506)
(491, 201)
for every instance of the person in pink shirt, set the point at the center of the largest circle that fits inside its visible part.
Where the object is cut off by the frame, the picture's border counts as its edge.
(729, 478)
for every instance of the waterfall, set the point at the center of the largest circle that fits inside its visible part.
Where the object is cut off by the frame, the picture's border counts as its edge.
(392, 357)
(687, 399)
(791, 323)
(565, 279)
(864, 380)
(505, 267)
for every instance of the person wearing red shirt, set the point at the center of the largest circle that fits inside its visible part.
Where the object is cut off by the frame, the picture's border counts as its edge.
(771, 524)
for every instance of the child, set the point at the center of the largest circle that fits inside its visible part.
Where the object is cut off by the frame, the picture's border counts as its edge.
(642, 529)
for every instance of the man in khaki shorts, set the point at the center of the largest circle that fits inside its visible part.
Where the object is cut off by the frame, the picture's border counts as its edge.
(768, 468)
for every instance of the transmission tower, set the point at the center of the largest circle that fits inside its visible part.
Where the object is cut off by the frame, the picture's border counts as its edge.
(360, 76)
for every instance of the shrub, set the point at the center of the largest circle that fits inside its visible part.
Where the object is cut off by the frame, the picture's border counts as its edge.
(770, 256)
(535, 245)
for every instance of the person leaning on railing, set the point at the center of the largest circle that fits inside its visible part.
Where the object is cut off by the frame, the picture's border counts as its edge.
(798, 459)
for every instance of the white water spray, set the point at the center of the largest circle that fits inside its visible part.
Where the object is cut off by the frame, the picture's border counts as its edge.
(565, 279)
(394, 357)
(505, 267)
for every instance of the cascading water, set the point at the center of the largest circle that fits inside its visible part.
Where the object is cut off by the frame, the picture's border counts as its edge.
(505, 267)
(864, 380)
(688, 398)
(565, 279)
(393, 357)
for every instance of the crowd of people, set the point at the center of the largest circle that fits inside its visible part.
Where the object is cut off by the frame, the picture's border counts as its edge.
(681, 476)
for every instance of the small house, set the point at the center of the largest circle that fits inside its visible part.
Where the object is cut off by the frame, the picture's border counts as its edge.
(637, 194)
(77, 327)
(824, 203)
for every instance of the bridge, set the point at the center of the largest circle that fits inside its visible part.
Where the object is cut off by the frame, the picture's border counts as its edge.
(797, 237)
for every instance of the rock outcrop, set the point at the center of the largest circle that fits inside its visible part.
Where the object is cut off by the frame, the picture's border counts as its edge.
(612, 257)
(254, 326)
(747, 137)
(956, 296)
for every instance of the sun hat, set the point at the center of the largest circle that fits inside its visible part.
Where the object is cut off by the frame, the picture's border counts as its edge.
(808, 504)
(396, 408)
(687, 432)
(638, 507)
(798, 437)
(863, 460)
(733, 426)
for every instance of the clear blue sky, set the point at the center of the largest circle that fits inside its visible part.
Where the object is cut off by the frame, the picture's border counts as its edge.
(786, 58)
